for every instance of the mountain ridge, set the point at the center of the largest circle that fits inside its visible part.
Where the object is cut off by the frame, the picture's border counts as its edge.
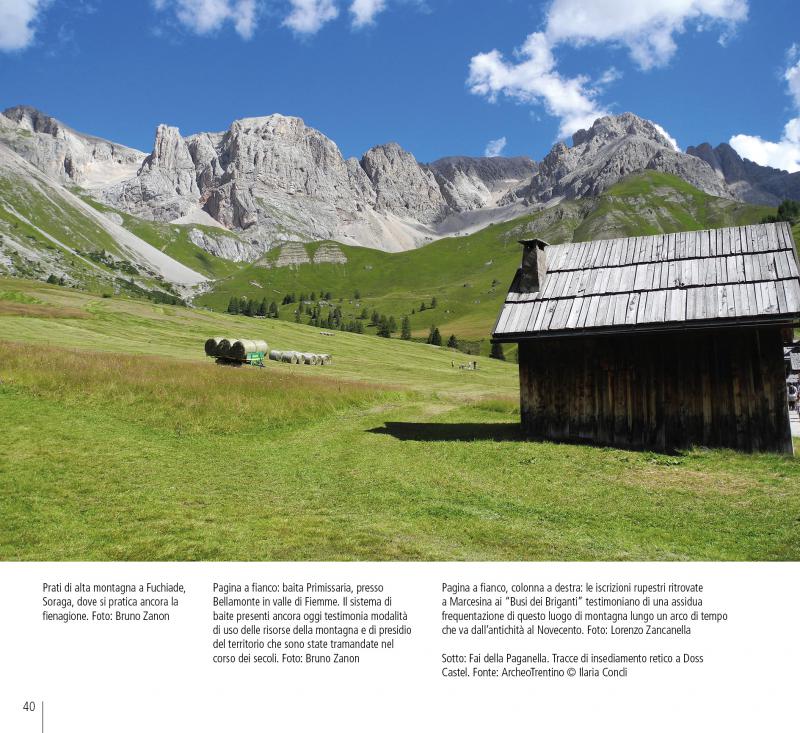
(750, 181)
(273, 179)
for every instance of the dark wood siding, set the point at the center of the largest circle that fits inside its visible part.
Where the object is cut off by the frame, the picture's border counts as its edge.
(660, 391)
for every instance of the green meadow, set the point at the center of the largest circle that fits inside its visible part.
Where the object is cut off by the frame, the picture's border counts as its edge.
(122, 441)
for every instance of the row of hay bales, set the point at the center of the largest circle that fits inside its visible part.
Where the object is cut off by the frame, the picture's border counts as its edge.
(297, 357)
(237, 349)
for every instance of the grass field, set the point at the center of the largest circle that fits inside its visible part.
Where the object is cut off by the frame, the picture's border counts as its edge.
(121, 442)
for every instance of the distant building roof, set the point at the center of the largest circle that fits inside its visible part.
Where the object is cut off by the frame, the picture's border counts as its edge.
(714, 277)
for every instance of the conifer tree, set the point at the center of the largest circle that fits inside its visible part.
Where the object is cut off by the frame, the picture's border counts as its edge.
(497, 352)
(434, 337)
(452, 342)
(405, 329)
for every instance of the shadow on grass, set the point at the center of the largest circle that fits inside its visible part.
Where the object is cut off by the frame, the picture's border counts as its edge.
(464, 432)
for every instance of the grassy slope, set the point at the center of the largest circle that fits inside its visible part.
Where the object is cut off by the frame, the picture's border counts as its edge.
(173, 239)
(83, 251)
(151, 452)
(61, 221)
(460, 271)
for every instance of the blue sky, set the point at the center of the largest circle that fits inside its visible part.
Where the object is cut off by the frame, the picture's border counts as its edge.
(440, 77)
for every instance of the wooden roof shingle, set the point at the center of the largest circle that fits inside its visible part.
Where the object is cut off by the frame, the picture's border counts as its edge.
(713, 277)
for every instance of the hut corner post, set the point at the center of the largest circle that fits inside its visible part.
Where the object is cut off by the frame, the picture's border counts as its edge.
(534, 265)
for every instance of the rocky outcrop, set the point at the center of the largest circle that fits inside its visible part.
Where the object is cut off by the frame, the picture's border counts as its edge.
(329, 254)
(402, 187)
(475, 183)
(164, 187)
(291, 255)
(230, 248)
(749, 181)
(611, 149)
(62, 153)
(273, 179)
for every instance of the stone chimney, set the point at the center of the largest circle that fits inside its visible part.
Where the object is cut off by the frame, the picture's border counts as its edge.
(534, 265)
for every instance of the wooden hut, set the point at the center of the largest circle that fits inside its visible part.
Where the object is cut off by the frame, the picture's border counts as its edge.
(657, 342)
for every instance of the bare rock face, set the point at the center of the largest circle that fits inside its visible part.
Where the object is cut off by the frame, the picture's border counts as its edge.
(64, 154)
(611, 149)
(402, 186)
(476, 183)
(230, 248)
(273, 180)
(164, 187)
(291, 255)
(331, 254)
(749, 181)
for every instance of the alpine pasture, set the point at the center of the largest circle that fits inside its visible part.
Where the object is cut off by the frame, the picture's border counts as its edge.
(122, 441)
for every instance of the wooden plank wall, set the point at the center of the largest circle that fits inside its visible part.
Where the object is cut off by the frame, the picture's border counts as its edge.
(666, 391)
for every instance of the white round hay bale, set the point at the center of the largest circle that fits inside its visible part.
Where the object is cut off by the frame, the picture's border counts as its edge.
(290, 357)
(325, 359)
(311, 359)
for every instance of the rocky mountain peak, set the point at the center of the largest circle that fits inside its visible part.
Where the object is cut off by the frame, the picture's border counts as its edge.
(612, 148)
(170, 151)
(64, 154)
(613, 127)
(402, 186)
(34, 120)
(749, 181)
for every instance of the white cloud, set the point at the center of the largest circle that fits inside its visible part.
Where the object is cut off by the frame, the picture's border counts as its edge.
(308, 16)
(672, 141)
(364, 11)
(792, 74)
(533, 78)
(495, 147)
(784, 154)
(208, 16)
(646, 29)
(18, 22)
